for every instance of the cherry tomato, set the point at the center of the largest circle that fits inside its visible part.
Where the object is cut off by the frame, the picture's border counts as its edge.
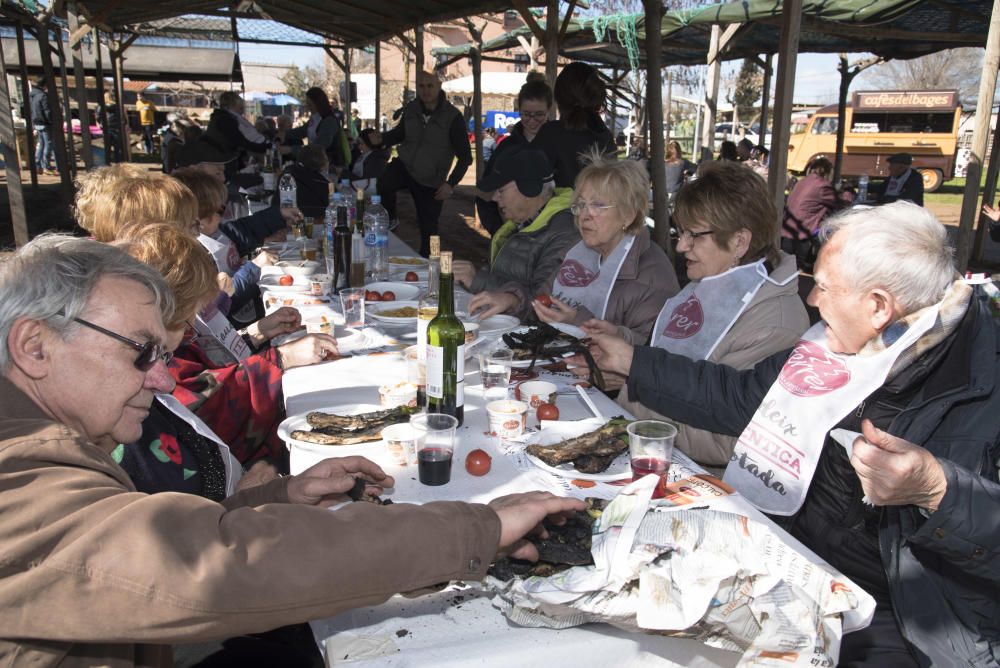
(286, 280)
(478, 462)
(544, 300)
(388, 296)
(547, 412)
(372, 296)
(412, 276)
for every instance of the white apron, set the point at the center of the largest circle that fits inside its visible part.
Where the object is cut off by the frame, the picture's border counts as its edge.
(213, 324)
(223, 250)
(583, 280)
(776, 455)
(695, 320)
(234, 470)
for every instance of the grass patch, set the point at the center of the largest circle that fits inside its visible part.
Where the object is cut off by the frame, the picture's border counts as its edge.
(951, 192)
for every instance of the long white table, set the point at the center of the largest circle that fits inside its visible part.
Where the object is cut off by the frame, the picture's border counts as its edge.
(459, 626)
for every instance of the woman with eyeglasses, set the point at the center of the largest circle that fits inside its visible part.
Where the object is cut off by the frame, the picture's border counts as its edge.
(742, 303)
(239, 404)
(615, 273)
(534, 101)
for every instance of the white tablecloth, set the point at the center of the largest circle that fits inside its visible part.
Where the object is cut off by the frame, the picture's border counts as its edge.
(461, 627)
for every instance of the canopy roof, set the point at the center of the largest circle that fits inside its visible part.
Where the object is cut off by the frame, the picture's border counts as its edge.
(888, 28)
(350, 22)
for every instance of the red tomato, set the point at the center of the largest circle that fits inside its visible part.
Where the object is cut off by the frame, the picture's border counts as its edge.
(412, 276)
(478, 462)
(388, 296)
(372, 296)
(547, 412)
(286, 280)
(544, 300)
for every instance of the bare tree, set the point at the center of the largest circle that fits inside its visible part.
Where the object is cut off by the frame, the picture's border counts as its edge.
(944, 70)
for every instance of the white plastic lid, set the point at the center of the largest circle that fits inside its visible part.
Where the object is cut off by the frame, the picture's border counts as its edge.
(376, 199)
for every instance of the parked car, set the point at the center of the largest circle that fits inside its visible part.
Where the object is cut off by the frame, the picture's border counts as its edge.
(95, 130)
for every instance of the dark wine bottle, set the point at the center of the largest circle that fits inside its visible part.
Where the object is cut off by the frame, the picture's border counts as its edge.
(342, 251)
(446, 351)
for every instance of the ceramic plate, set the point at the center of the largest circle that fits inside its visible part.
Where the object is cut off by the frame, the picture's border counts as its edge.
(556, 432)
(403, 291)
(299, 422)
(375, 310)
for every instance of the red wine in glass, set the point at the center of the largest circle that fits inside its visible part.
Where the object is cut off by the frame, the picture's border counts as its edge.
(642, 466)
(434, 466)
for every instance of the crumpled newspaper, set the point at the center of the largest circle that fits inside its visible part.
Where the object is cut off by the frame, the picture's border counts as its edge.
(717, 576)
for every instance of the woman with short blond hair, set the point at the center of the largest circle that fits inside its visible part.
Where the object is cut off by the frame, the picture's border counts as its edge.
(113, 198)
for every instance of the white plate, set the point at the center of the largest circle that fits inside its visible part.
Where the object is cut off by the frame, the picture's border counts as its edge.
(297, 422)
(524, 364)
(275, 300)
(414, 263)
(556, 432)
(374, 308)
(404, 291)
(398, 273)
(496, 325)
(270, 283)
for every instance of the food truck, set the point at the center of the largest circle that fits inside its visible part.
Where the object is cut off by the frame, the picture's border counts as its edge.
(922, 123)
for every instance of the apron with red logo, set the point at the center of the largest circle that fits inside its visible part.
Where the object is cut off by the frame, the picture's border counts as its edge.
(776, 455)
(694, 321)
(583, 280)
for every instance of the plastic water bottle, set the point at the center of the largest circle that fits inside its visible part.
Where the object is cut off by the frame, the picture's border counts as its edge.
(287, 191)
(377, 239)
(863, 188)
(329, 223)
(347, 192)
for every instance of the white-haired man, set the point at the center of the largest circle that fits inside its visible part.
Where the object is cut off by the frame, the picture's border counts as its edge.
(95, 573)
(909, 508)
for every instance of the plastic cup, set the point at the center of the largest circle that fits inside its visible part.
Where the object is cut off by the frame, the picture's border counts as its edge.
(352, 303)
(536, 392)
(435, 444)
(651, 449)
(400, 442)
(399, 394)
(494, 371)
(507, 418)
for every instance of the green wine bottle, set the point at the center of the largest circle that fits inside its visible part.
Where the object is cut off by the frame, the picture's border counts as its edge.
(446, 351)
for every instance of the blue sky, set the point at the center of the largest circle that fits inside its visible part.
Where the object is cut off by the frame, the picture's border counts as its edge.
(816, 77)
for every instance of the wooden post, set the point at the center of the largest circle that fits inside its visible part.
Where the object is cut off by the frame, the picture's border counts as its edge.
(765, 101)
(980, 133)
(18, 218)
(347, 90)
(117, 65)
(654, 107)
(791, 21)
(989, 190)
(418, 43)
(477, 108)
(59, 148)
(26, 95)
(667, 105)
(378, 86)
(711, 97)
(614, 103)
(80, 77)
(845, 83)
(552, 43)
(67, 126)
(102, 111)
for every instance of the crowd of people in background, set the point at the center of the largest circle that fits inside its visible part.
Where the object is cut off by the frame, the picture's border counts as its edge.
(155, 322)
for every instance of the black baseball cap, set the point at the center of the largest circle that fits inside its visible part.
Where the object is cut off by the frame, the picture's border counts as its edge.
(527, 167)
(900, 158)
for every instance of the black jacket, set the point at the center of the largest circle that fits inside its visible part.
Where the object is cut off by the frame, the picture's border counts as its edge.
(40, 113)
(564, 147)
(312, 190)
(942, 572)
(912, 190)
(489, 212)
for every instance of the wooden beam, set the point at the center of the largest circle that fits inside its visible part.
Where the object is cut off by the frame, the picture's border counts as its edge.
(378, 86)
(989, 192)
(529, 19)
(66, 126)
(711, 97)
(418, 43)
(77, 35)
(25, 96)
(566, 19)
(333, 56)
(551, 43)
(980, 133)
(726, 40)
(477, 109)
(81, 88)
(776, 175)
(15, 194)
(855, 31)
(119, 87)
(407, 42)
(102, 110)
(56, 134)
(654, 103)
(765, 100)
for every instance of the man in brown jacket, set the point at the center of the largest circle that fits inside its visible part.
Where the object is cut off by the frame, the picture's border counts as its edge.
(95, 573)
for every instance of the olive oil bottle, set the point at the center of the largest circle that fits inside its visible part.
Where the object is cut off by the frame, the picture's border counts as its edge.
(446, 351)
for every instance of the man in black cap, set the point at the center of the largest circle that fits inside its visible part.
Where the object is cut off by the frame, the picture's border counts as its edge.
(904, 183)
(537, 232)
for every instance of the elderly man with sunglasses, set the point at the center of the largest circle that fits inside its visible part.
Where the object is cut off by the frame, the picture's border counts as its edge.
(95, 573)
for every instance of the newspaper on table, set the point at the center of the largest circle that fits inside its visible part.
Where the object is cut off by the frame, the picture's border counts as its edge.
(705, 572)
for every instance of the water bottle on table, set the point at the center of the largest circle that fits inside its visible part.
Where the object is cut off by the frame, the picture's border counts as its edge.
(287, 191)
(863, 189)
(377, 240)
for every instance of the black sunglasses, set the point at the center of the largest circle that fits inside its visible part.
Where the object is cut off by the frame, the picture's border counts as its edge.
(149, 353)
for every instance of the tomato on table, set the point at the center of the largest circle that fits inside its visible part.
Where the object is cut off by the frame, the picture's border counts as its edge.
(547, 412)
(478, 462)
(412, 277)
(372, 296)
(388, 296)
(286, 280)
(544, 300)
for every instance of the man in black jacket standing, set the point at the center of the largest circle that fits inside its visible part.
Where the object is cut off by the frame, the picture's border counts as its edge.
(904, 182)
(431, 137)
(898, 489)
(41, 119)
